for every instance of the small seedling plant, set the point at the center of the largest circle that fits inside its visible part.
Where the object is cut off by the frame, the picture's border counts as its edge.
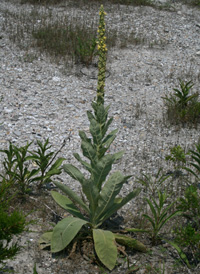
(100, 194)
(187, 236)
(45, 162)
(182, 105)
(177, 156)
(17, 165)
(160, 215)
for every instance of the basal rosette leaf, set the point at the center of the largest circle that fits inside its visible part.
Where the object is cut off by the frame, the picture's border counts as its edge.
(64, 232)
(105, 247)
(45, 240)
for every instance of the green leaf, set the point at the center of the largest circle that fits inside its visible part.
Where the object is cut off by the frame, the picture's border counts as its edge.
(45, 240)
(180, 253)
(64, 232)
(57, 163)
(101, 169)
(109, 138)
(152, 208)
(105, 128)
(118, 155)
(85, 164)
(52, 172)
(109, 192)
(35, 269)
(72, 195)
(91, 191)
(95, 131)
(88, 151)
(67, 204)
(169, 217)
(118, 203)
(74, 173)
(105, 247)
(150, 220)
(84, 137)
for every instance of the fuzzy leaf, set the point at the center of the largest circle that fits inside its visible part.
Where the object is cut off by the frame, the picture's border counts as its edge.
(85, 164)
(101, 169)
(106, 126)
(109, 138)
(84, 137)
(72, 195)
(95, 130)
(64, 232)
(88, 151)
(67, 204)
(74, 173)
(109, 192)
(118, 155)
(105, 247)
(118, 203)
(45, 240)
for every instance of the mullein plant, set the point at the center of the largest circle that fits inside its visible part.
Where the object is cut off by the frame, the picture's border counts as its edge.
(99, 200)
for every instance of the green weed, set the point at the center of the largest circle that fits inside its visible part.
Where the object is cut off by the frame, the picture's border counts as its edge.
(17, 166)
(195, 155)
(11, 224)
(159, 217)
(182, 106)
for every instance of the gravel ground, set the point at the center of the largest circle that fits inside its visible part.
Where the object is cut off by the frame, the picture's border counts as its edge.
(42, 99)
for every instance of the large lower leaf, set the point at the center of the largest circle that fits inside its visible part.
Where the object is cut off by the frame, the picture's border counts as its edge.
(130, 242)
(105, 247)
(45, 240)
(67, 204)
(64, 232)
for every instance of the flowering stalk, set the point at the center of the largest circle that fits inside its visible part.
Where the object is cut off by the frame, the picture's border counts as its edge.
(102, 50)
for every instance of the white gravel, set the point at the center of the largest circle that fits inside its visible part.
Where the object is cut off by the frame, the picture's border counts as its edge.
(41, 99)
